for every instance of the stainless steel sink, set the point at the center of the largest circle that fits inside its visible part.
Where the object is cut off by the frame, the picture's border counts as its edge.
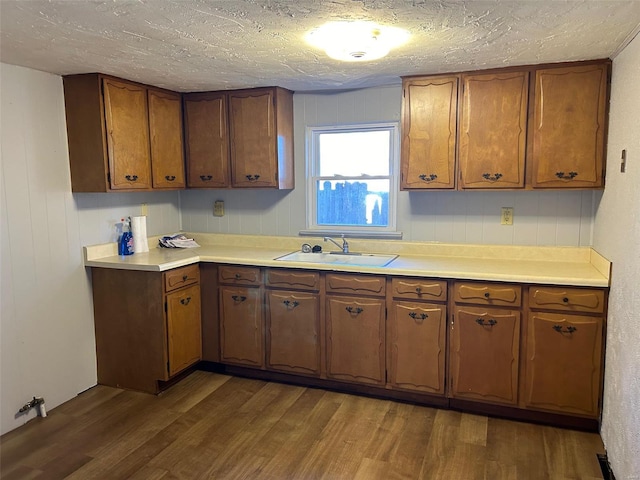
(339, 258)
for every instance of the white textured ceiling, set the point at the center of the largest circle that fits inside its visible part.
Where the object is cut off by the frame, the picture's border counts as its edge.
(197, 45)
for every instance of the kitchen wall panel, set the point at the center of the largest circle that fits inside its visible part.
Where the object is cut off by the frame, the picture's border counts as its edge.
(540, 217)
(47, 337)
(617, 237)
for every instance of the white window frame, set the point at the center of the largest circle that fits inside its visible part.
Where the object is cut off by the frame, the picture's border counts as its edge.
(312, 174)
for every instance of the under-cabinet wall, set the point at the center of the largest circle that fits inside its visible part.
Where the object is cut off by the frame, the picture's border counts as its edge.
(563, 218)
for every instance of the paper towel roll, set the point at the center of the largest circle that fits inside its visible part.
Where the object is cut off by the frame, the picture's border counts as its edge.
(139, 230)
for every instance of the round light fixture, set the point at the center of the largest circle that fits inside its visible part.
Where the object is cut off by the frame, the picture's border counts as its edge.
(356, 41)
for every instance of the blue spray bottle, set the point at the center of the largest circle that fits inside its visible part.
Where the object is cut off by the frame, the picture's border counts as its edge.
(125, 244)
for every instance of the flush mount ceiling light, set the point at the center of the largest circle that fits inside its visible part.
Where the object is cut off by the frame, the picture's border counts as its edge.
(356, 41)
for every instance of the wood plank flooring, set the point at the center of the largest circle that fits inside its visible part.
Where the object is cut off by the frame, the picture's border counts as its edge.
(212, 426)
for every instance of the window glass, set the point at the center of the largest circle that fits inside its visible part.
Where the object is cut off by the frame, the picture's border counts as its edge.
(352, 183)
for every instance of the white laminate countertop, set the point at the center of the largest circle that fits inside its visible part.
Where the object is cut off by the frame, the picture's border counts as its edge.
(571, 266)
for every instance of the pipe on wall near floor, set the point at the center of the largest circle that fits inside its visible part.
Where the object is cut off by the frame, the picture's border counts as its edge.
(36, 402)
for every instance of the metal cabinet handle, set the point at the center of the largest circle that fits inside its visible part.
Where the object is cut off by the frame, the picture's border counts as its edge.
(170, 178)
(420, 317)
(492, 178)
(253, 178)
(355, 311)
(131, 178)
(290, 304)
(185, 301)
(568, 176)
(428, 178)
(489, 323)
(206, 178)
(238, 298)
(570, 329)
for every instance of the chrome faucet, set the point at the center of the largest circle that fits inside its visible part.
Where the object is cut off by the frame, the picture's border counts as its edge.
(345, 245)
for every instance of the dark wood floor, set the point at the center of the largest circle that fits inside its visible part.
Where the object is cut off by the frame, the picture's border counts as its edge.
(220, 427)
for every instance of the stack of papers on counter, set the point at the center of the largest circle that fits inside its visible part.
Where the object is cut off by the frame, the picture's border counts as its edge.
(177, 240)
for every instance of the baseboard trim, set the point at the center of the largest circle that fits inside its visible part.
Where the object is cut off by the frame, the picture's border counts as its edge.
(607, 473)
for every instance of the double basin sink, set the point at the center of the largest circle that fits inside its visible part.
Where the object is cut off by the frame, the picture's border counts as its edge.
(339, 258)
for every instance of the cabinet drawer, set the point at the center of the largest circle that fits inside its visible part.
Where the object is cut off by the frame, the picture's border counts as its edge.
(419, 288)
(487, 294)
(360, 284)
(566, 299)
(181, 277)
(234, 275)
(298, 279)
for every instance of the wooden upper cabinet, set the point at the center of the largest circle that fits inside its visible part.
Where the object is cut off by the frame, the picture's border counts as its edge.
(569, 127)
(127, 124)
(261, 138)
(207, 140)
(165, 127)
(429, 133)
(493, 127)
(122, 136)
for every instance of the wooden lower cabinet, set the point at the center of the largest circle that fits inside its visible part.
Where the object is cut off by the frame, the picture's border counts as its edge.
(416, 346)
(564, 363)
(356, 339)
(293, 331)
(241, 325)
(147, 324)
(184, 330)
(484, 354)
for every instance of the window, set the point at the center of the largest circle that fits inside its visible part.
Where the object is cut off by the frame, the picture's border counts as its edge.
(352, 181)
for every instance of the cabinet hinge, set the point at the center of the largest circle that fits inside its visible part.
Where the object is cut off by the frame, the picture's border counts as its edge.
(109, 177)
(165, 306)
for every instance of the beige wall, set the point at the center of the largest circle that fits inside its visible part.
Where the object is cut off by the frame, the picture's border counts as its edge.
(46, 316)
(617, 237)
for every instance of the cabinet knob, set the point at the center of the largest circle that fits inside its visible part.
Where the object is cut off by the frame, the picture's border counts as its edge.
(487, 295)
(570, 329)
(428, 178)
(185, 301)
(184, 278)
(565, 300)
(237, 276)
(253, 178)
(568, 176)
(170, 178)
(489, 323)
(131, 178)
(418, 290)
(492, 178)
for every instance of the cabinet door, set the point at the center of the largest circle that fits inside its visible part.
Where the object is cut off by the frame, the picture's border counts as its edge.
(484, 354)
(127, 123)
(429, 133)
(165, 126)
(416, 346)
(493, 130)
(564, 363)
(241, 326)
(207, 140)
(293, 332)
(355, 339)
(253, 138)
(184, 328)
(569, 127)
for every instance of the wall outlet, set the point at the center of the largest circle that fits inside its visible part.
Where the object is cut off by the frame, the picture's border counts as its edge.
(218, 208)
(506, 217)
(144, 210)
